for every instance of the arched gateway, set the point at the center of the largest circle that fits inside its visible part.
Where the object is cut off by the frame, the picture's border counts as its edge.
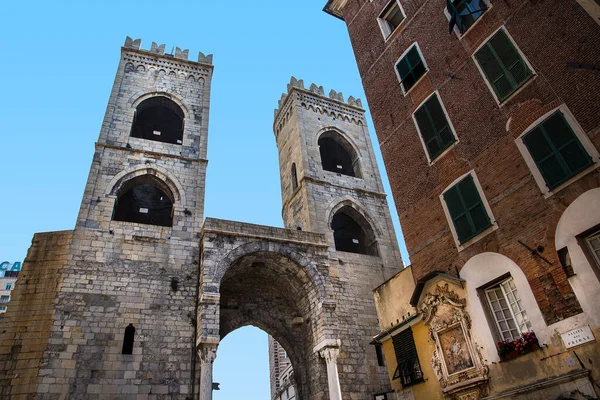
(134, 301)
(274, 279)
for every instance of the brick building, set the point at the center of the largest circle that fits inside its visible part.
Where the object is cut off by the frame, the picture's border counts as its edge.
(488, 118)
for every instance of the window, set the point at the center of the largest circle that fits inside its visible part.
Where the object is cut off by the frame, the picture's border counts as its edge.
(507, 310)
(128, 340)
(593, 242)
(556, 150)
(502, 64)
(338, 155)
(379, 353)
(390, 18)
(4, 299)
(434, 127)
(467, 210)
(294, 177)
(2, 308)
(8, 286)
(410, 68)
(158, 118)
(352, 233)
(409, 368)
(144, 200)
(464, 13)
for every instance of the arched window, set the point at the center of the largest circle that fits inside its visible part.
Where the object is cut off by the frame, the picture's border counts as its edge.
(158, 118)
(294, 177)
(337, 155)
(352, 233)
(146, 200)
(128, 339)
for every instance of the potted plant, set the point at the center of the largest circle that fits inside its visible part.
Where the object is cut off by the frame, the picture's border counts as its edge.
(507, 350)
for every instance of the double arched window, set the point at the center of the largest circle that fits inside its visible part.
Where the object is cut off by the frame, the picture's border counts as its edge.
(159, 118)
(145, 200)
(353, 233)
(338, 155)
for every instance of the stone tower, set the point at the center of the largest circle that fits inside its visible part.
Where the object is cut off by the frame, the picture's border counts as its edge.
(330, 182)
(114, 300)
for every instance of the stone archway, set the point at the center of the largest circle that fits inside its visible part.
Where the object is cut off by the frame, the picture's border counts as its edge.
(273, 279)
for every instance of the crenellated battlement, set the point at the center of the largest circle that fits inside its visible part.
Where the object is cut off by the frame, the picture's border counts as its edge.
(314, 99)
(160, 50)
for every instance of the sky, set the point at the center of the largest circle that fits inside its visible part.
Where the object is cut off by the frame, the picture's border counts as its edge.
(58, 65)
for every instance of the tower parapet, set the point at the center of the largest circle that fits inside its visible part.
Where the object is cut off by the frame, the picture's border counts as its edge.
(311, 98)
(136, 44)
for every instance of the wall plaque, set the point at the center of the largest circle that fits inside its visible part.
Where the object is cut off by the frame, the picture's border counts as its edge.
(577, 336)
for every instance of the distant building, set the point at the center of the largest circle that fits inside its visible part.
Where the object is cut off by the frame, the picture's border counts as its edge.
(283, 386)
(488, 119)
(8, 278)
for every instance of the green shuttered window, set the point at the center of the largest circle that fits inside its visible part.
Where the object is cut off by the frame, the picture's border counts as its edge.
(556, 150)
(434, 127)
(411, 68)
(502, 65)
(409, 368)
(466, 209)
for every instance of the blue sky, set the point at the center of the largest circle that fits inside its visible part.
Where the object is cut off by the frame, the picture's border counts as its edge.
(58, 65)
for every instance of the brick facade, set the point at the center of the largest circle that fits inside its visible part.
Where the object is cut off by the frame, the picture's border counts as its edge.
(550, 34)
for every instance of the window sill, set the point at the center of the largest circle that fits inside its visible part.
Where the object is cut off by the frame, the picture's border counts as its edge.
(516, 354)
(443, 153)
(501, 103)
(549, 193)
(476, 238)
(405, 93)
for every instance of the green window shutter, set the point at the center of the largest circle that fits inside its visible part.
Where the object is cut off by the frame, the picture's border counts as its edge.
(556, 150)
(466, 209)
(411, 68)
(434, 127)
(502, 65)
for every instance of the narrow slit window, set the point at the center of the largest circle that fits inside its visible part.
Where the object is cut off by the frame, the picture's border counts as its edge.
(294, 177)
(128, 339)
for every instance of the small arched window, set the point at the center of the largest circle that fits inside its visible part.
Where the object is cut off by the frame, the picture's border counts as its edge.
(145, 200)
(294, 177)
(352, 233)
(128, 339)
(158, 118)
(338, 155)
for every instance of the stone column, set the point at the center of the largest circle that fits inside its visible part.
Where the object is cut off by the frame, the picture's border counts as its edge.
(207, 353)
(330, 354)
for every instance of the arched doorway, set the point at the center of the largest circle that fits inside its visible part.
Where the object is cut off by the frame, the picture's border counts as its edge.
(269, 291)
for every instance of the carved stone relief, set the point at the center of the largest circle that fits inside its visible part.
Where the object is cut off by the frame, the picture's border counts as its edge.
(456, 361)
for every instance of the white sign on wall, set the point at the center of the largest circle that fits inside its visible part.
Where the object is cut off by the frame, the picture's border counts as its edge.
(577, 336)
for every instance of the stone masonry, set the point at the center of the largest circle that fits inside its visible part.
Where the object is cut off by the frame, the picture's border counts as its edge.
(184, 287)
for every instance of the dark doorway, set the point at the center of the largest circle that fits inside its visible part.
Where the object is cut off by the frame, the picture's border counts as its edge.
(160, 119)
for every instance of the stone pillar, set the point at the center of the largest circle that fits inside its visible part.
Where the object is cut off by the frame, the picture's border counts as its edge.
(207, 353)
(330, 354)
